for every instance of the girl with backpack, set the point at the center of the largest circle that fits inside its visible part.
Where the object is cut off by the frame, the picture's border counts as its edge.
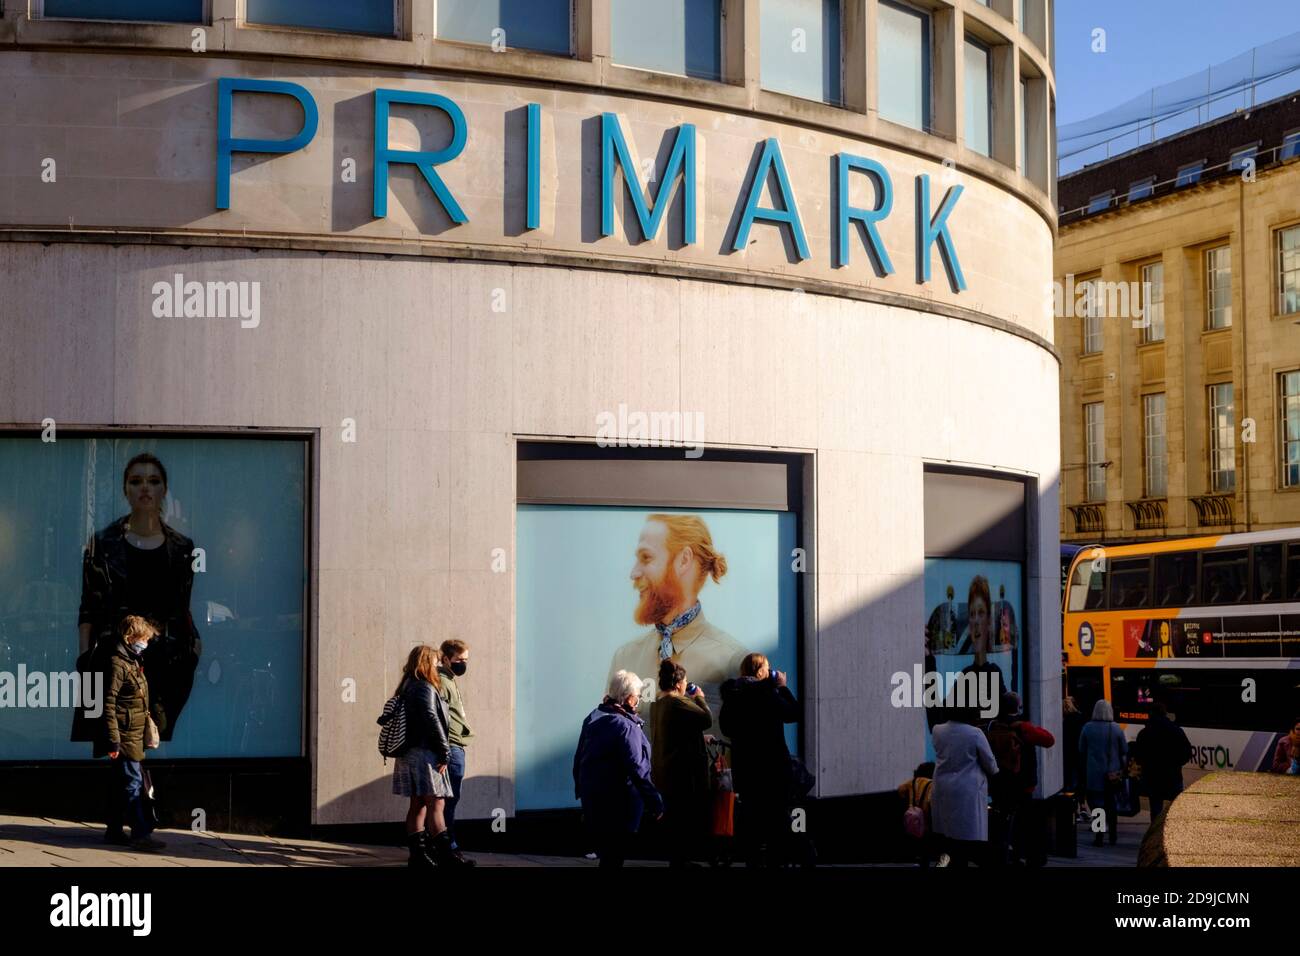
(421, 770)
(915, 794)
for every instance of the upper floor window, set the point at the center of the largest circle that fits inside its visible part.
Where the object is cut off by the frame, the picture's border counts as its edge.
(799, 50)
(376, 17)
(1291, 145)
(1155, 447)
(1289, 393)
(683, 37)
(1094, 426)
(1141, 189)
(1153, 302)
(1092, 337)
(1100, 202)
(903, 64)
(979, 98)
(1240, 157)
(544, 26)
(1288, 270)
(1190, 174)
(149, 11)
(1223, 439)
(1218, 287)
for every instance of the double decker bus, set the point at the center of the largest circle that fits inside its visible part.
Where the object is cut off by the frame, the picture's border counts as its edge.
(1209, 626)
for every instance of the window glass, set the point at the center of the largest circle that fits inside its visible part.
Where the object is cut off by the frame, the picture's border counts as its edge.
(1153, 302)
(1291, 146)
(1100, 202)
(1094, 416)
(1190, 174)
(155, 11)
(1223, 577)
(1218, 287)
(1141, 189)
(1088, 586)
(540, 25)
(1092, 308)
(671, 36)
(1289, 386)
(800, 48)
(228, 665)
(1238, 159)
(1130, 583)
(1223, 440)
(1288, 257)
(903, 65)
(1268, 572)
(978, 91)
(1176, 579)
(355, 16)
(1154, 438)
(1293, 571)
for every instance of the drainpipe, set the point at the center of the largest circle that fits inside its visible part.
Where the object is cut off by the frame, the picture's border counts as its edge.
(1245, 365)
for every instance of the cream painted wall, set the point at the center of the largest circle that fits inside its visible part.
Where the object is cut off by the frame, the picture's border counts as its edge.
(440, 385)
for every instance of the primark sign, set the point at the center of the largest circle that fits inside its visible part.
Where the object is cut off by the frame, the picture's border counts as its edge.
(853, 227)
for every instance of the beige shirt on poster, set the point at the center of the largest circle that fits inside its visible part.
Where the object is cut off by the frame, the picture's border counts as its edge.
(709, 654)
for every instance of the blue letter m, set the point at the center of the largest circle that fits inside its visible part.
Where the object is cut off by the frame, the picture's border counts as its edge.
(680, 161)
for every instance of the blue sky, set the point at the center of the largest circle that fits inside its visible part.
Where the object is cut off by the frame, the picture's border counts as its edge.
(1149, 42)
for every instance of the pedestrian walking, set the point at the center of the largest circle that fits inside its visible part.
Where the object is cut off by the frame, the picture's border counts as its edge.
(959, 807)
(756, 706)
(1021, 818)
(918, 825)
(421, 770)
(1162, 749)
(130, 721)
(679, 719)
(1072, 722)
(1103, 752)
(454, 654)
(611, 771)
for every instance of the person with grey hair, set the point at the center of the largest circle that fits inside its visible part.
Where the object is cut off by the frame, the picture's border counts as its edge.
(611, 770)
(1103, 751)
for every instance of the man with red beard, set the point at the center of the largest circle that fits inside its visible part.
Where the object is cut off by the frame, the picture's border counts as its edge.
(674, 559)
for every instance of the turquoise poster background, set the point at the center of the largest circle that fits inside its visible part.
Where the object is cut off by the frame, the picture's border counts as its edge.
(574, 607)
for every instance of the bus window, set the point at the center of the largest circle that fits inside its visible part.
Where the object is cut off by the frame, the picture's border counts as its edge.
(1209, 699)
(1293, 571)
(1223, 576)
(1084, 685)
(1176, 579)
(1130, 580)
(1088, 587)
(1268, 572)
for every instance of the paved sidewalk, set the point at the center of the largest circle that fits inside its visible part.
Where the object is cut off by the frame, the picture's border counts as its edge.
(35, 841)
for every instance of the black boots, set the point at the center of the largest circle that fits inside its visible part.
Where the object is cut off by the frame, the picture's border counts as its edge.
(443, 855)
(420, 858)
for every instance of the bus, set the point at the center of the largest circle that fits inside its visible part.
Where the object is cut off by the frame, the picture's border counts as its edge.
(1209, 626)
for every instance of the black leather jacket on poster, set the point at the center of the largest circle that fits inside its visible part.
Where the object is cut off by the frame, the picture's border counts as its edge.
(104, 604)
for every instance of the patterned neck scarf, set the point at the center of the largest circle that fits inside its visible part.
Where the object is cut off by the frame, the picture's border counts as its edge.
(666, 631)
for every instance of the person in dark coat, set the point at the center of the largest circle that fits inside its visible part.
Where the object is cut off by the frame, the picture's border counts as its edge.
(122, 736)
(755, 709)
(421, 771)
(140, 565)
(1072, 722)
(680, 762)
(1162, 749)
(611, 771)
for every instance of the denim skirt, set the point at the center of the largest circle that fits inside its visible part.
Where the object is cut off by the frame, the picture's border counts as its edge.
(416, 775)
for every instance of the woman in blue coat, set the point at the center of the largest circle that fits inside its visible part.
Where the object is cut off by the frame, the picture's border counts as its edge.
(611, 770)
(1102, 752)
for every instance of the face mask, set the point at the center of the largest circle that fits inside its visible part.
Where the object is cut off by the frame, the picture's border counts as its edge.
(459, 667)
(139, 646)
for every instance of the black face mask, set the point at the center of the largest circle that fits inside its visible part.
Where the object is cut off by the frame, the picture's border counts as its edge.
(459, 668)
